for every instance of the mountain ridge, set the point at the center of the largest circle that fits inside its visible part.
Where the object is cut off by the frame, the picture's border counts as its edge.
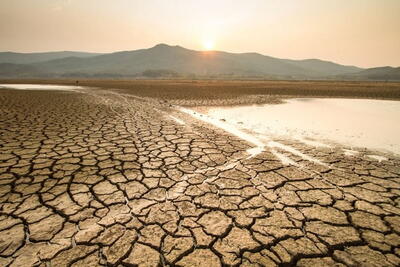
(177, 61)
(28, 58)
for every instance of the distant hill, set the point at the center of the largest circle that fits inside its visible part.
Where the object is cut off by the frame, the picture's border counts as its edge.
(324, 68)
(185, 61)
(381, 73)
(28, 58)
(18, 70)
(171, 61)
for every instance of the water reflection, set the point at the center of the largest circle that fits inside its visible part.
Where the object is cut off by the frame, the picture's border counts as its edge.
(374, 124)
(39, 87)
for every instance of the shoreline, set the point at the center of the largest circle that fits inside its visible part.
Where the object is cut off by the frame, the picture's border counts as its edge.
(203, 113)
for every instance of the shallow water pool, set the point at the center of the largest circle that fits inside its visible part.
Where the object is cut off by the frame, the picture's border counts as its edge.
(39, 87)
(373, 124)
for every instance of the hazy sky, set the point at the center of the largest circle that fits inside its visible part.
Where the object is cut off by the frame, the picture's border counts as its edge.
(359, 32)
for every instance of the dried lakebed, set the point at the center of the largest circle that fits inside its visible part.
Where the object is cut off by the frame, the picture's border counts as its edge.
(98, 178)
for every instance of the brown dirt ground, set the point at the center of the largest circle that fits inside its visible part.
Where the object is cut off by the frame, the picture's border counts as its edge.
(223, 92)
(98, 178)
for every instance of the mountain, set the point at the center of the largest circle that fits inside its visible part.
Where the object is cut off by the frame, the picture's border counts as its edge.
(28, 58)
(185, 61)
(18, 70)
(172, 61)
(174, 58)
(324, 67)
(381, 73)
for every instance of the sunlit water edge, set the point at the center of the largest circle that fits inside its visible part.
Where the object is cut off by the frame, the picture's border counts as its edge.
(359, 123)
(51, 87)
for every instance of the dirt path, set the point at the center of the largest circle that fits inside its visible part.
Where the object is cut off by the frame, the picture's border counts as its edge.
(100, 179)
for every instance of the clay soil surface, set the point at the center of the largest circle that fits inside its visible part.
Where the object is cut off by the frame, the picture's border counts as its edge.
(101, 177)
(236, 92)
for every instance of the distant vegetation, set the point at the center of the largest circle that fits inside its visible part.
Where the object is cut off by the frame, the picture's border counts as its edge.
(164, 61)
(160, 73)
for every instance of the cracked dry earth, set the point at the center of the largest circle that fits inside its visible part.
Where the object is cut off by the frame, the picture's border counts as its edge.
(101, 179)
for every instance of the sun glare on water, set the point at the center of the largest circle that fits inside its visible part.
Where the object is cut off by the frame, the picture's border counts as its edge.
(208, 45)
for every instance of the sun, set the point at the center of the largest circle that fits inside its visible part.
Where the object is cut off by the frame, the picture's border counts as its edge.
(208, 45)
